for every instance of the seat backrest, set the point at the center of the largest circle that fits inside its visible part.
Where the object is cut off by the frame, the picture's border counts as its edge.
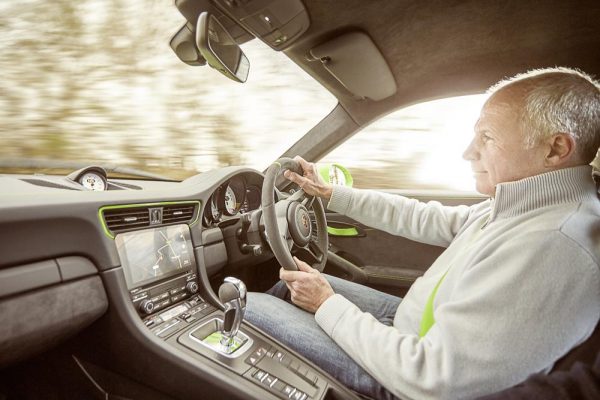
(586, 352)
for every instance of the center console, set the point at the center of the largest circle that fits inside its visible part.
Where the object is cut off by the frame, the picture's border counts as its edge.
(160, 271)
(162, 279)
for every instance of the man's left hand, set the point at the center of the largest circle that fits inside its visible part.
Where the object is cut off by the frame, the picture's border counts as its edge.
(309, 289)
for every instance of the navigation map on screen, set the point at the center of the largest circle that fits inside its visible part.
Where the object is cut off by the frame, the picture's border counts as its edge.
(152, 254)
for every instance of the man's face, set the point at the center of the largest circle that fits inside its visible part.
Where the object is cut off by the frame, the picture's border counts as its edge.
(498, 151)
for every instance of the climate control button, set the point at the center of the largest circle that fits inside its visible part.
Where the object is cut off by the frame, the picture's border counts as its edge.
(191, 287)
(147, 306)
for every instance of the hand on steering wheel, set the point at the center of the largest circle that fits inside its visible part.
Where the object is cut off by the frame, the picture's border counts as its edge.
(296, 223)
(310, 181)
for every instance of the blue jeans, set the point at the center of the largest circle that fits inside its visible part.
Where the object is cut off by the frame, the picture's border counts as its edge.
(298, 329)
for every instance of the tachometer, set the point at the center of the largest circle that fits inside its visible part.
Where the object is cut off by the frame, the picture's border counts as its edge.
(231, 196)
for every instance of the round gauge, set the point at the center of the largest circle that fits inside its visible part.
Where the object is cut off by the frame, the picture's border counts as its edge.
(214, 211)
(212, 214)
(231, 196)
(93, 181)
(231, 204)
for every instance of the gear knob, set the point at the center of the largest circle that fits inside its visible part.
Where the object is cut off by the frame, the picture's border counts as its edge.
(232, 294)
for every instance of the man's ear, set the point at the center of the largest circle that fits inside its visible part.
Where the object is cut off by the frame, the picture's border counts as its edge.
(561, 149)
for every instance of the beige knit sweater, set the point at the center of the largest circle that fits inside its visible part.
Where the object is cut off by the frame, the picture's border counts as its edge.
(522, 288)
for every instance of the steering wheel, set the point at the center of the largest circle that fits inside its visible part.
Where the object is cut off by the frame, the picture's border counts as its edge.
(289, 222)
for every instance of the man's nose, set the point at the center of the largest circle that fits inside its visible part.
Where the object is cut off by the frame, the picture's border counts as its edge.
(470, 153)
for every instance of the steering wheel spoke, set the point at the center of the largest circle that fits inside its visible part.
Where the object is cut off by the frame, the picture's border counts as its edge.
(281, 195)
(301, 196)
(315, 251)
(311, 253)
(308, 201)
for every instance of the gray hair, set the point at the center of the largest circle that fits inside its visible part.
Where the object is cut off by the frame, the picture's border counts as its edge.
(557, 100)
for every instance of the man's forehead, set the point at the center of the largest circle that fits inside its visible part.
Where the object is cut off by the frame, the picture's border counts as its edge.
(499, 111)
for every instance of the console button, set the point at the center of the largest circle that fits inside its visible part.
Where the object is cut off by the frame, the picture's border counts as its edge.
(177, 290)
(178, 297)
(298, 395)
(269, 380)
(252, 360)
(255, 357)
(294, 365)
(288, 390)
(279, 356)
(260, 375)
(164, 303)
(261, 351)
(279, 385)
(302, 370)
(140, 296)
(272, 352)
(312, 377)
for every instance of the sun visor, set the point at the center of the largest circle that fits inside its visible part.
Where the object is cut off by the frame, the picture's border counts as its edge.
(354, 60)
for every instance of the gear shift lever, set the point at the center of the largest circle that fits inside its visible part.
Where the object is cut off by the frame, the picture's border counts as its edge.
(232, 294)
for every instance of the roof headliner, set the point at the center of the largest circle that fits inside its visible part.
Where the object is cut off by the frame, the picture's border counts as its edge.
(442, 48)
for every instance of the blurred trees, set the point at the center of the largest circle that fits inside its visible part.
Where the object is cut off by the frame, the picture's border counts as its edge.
(96, 81)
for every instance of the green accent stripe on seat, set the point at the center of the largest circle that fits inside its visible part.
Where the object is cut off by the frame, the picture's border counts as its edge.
(342, 231)
(427, 319)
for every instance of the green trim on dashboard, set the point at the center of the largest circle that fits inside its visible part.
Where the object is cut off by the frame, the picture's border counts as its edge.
(342, 231)
(164, 203)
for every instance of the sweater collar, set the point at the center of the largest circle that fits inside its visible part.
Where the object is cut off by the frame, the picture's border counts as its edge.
(562, 186)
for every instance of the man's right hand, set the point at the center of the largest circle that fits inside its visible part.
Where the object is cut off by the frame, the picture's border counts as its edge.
(310, 182)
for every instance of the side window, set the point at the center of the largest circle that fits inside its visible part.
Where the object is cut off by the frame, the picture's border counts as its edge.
(418, 148)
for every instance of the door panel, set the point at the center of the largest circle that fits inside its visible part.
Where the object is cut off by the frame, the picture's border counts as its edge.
(379, 259)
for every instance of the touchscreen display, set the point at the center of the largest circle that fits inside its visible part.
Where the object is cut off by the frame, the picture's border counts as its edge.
(156, 253)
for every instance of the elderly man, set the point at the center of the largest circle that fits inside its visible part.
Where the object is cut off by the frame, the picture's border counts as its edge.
(518, 285)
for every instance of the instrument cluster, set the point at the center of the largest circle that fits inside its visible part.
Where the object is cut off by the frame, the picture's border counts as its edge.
(231, 199)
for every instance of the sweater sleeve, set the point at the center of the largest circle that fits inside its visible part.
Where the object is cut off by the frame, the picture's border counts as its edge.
(430, 223)
(509, 315)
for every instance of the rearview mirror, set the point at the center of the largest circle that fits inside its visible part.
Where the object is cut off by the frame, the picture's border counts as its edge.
(219, 49)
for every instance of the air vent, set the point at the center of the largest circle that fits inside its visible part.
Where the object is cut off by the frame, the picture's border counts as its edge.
(178, 213)
(128, 218)
(121, 219)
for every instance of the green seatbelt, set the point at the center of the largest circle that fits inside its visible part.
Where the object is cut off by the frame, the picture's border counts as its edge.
(427, 319)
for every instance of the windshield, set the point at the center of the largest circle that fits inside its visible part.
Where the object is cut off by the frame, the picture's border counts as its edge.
(95, 82)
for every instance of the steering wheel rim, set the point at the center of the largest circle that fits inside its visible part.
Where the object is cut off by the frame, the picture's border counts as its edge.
(286, 220)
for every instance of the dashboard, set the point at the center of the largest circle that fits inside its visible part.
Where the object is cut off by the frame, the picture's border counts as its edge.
(133, 258)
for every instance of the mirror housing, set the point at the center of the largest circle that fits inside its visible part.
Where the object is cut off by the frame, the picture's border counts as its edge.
(183, 44)
(219, 49)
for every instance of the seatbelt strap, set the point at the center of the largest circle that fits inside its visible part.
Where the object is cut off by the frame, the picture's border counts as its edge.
(427, 319)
